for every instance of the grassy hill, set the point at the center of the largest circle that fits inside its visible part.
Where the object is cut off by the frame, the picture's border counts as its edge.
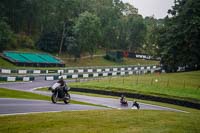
(103, 121)
(173, 85)
(87, 61)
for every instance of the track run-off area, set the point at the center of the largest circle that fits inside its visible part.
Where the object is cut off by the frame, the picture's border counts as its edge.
(12, 106)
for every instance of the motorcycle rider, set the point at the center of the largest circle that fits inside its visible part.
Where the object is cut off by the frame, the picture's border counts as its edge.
(63, 84)
(135, 103)
(123, 99)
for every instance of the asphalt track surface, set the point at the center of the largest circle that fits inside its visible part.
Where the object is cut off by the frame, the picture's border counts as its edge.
(9, 106)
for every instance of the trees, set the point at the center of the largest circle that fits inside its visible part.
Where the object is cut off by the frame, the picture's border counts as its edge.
(49, 41)
(7, 38)
(150, 45)
(74, 26)
(137, 33)
(179, 38)
(87, 31)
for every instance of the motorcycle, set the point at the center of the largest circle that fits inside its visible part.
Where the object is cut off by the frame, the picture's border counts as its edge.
(58, 93)
(123, 102)
(135, 105)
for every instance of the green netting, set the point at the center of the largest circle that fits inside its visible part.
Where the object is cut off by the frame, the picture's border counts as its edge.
(31, 57)
(49, 58)
(16, 57)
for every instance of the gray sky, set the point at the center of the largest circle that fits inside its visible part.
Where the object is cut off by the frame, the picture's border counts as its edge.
(158, 8)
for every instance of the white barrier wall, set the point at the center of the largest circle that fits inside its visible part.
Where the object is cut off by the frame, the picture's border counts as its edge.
(5, 71)
(80, 70)
(122, 73)
(11, 78)
(75, 76)
(105, 74)
(36, 71)
(70, 71)
(99, 70)
(130, 72)
(114, 73)
(85, 75)
(90, 70)
(60, 71)
(26, 78)
(115, 69)
(50, 78)
(129, 68)
(63, 76)
(95, 74)
(107, 70)
(22, 71)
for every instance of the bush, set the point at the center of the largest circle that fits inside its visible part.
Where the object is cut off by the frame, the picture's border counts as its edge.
(7, 37)
(114, 56)
(49, 42)
(24, 41)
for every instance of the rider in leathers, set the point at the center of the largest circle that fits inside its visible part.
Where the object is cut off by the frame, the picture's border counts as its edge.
(63, 84)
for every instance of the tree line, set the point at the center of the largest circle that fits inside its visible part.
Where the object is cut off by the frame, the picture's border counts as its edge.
(84, 26)
(74, 26)
(179, 38)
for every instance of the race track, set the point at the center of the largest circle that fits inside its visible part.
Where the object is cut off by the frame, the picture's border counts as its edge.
(15, 106)
(11, 106)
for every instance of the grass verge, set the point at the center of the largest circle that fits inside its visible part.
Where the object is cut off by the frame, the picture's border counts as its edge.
(6, 93)
(130, 99)
(184, 86)
(105, 121)
(85, 62)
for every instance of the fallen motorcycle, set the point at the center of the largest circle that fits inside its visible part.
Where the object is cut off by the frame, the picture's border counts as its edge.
(124, 102)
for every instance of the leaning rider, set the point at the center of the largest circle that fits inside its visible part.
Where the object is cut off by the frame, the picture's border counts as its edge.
(63, 84)
(123, 99)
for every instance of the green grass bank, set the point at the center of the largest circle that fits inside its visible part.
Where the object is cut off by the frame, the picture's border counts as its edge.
(185, 86)
(104, 121)
(6, 93)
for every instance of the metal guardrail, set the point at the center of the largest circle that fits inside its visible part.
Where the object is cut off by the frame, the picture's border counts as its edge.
(83, 72)
(75, 69)
(16, 78)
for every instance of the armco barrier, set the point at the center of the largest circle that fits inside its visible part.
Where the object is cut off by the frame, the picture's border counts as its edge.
(17, 78)
(94, 74)
(78, 70)
(141, 96)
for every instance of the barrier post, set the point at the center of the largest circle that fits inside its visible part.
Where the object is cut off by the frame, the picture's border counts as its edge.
(168, 83)
(184, 84)
(152, 81)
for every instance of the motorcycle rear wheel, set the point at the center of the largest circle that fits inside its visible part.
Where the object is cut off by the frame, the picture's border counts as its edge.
(53, 99)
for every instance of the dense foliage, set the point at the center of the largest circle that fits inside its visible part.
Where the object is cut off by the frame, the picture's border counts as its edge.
(179, 38)
(73, 26)
(77, 27)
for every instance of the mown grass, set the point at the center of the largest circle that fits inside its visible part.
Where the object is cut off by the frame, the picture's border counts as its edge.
(175, 85)
(104, 121)
(85, 62)
(100, 61)
(6, 93)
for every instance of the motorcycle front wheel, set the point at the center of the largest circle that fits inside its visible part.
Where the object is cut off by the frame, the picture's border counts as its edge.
(67, 98)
